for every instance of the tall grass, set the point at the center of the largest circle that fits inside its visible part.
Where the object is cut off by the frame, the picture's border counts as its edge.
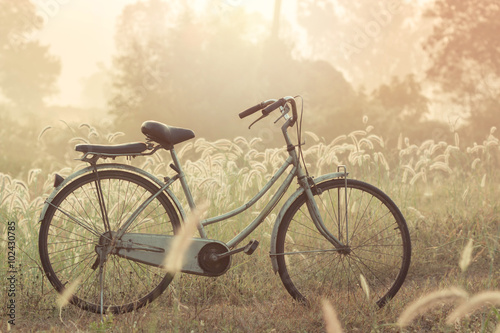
(446, 190)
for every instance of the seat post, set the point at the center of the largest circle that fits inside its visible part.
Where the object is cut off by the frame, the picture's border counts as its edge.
(185, 188)
(182, 178)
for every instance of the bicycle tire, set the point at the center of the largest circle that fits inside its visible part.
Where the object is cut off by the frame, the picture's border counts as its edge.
(67, 249)
(379, 243)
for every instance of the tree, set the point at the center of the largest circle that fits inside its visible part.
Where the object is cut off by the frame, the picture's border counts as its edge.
(464, 45)
(139, 74)
(364, 38)
(28, 72)
(377, 45)
(172, 65)
(400, 107)
(199, 71)
(465, 52)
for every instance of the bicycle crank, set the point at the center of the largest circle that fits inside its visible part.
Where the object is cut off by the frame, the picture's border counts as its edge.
(215, 258)
(248, 249)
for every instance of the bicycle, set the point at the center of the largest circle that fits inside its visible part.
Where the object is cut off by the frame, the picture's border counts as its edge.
(112, 225)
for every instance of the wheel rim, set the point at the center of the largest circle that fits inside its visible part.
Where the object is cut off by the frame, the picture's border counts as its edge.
(374, 263)
(68, 248)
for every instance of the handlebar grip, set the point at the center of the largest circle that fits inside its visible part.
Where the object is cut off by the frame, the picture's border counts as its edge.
(274, 106)
(251, 110)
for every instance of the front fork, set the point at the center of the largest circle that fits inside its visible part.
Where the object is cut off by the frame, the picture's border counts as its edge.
(310, 190)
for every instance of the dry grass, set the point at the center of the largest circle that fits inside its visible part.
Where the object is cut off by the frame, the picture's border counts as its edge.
(448, 193)
(428, 302)
(332, 323)
(175, 258)
(64, 298)
(466, 257)
(481, 300)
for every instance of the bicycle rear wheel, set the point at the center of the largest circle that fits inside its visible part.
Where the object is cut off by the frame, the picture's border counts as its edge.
(73, 227)
(377, 238)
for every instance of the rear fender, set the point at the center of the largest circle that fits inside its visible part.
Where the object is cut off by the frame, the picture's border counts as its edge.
(113, 166)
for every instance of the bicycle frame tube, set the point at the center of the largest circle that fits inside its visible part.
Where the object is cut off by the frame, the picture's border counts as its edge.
(182, 177)
(185, 188)
(259, 219)
(291, 160)
(139, 209)
(252, 201)
(263, 214)
(295, 172)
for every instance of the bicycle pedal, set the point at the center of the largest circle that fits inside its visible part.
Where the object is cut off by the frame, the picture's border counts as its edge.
(251, 247)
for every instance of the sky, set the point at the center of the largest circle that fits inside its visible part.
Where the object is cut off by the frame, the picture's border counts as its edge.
(81, 34)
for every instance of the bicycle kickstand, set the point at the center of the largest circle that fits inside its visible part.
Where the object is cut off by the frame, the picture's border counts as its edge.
(102, 256)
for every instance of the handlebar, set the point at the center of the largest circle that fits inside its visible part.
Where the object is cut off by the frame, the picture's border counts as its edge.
(274, 106)
(252, 110)
(269, 106)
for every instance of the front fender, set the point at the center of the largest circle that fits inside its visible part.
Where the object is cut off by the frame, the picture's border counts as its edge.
(286, 206)
(115, 166)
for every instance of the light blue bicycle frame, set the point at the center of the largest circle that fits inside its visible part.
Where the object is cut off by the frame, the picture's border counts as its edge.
(296, 171)
(306, 188)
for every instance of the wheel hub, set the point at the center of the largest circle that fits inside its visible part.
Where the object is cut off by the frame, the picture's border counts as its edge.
(106, 238)
(345, 250)
(103, 248)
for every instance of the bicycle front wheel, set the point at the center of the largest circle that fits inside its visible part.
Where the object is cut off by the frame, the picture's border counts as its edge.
(73, 228)
(375, 261)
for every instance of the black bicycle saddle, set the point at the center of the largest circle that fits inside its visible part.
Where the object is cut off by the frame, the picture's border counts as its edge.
(165, 135)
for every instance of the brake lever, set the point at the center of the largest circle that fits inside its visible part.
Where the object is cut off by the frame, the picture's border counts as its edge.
(261, 117)
(283, 114)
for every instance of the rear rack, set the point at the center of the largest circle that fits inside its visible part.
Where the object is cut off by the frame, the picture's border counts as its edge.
(93, 157)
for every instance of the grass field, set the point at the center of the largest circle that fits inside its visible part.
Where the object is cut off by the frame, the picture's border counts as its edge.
(447, 191)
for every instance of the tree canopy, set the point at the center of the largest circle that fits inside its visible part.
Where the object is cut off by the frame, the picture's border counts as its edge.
(211, 67)
(464, 49)
(28, 72)
(464, 46)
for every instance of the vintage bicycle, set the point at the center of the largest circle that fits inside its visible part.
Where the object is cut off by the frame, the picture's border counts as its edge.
(111, 225)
